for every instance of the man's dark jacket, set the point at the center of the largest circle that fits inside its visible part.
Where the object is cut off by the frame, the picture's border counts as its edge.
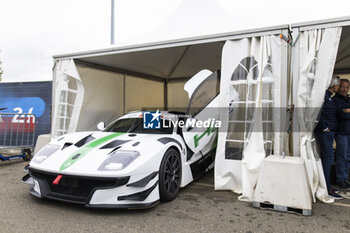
(328, 117)
(342, 102)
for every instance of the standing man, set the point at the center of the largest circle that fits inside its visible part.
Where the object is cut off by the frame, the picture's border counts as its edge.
(342, 103)
(325, 131)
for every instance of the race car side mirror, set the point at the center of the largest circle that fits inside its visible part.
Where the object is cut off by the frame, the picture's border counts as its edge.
(101, 126)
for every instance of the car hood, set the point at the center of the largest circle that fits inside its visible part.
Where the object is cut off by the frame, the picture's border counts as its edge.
(83, 153)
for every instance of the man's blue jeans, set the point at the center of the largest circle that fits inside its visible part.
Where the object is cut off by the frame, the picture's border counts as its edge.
(325, 141)
(343, 157)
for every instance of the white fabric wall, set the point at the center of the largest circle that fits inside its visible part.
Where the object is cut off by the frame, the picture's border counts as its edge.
(318, 51)
(177, 96)
(256, 64)
(142, 93)
(103, 98)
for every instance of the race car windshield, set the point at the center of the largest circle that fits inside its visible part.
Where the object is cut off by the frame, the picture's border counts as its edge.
(122, 125)
(135, 125)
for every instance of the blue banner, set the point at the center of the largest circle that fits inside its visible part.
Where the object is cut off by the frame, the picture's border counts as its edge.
(25, 98)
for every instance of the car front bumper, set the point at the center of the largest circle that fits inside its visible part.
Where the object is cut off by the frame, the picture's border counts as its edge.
(96, 192)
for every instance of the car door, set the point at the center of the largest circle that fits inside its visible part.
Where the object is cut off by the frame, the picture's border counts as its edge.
(203, 91)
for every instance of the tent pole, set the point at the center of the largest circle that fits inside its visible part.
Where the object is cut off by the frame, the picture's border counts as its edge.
(166, 94)
(112, 21)
(295, 73)
(124, 94)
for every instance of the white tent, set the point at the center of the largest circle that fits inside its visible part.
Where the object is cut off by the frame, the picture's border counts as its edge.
(116, 80)
(121, 79)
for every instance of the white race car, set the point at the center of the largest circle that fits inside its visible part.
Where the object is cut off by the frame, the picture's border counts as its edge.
(130, 164)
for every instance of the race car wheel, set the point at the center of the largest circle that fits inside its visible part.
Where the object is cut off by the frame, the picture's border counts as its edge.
(169, 175)
(28, 155)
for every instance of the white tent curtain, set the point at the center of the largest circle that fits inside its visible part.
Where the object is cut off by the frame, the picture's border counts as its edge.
(67, 98)
(318, 51)
(249, 90)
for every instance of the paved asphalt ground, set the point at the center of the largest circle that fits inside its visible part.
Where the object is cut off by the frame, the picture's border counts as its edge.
(197, 208)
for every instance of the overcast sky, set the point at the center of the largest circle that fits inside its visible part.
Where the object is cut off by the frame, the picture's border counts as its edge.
(31, 32)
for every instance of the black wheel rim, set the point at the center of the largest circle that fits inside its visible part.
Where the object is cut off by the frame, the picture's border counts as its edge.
(172, 174)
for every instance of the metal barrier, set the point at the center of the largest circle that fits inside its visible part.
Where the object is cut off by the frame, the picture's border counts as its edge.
(17, 130)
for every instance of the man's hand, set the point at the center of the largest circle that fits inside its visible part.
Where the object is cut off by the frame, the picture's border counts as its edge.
(347, 110)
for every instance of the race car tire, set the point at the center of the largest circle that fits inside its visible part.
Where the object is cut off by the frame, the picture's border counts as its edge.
(170, 175)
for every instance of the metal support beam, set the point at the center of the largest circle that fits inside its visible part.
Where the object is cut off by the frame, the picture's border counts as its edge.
(343, 58)
(295, 82)
(121, 71)
(284, 117)
(342, 71)
(179, 80)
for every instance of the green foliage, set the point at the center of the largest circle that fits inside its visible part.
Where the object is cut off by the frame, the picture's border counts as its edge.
(1, 71)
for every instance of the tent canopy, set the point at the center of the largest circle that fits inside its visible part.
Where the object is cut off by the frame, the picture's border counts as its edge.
(181, 59)
(143, 76)
(169, 60)
(165, 66)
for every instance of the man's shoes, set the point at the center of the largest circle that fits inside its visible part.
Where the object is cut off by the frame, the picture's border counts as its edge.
(344, 185)
(332, 193)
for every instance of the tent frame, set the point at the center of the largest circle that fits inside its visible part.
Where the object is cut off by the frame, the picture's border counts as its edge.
(187, 42)
(326, 23)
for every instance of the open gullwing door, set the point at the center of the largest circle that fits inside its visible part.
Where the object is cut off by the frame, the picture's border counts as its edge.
(202, 112)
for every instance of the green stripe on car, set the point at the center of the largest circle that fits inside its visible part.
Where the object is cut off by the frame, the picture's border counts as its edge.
(198, 137)
(79, 154)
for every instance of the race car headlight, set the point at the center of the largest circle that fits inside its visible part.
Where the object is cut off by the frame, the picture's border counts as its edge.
(119, 160)
(45, 152)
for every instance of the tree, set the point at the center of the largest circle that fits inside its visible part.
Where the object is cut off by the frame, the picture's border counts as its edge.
(1, 71)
